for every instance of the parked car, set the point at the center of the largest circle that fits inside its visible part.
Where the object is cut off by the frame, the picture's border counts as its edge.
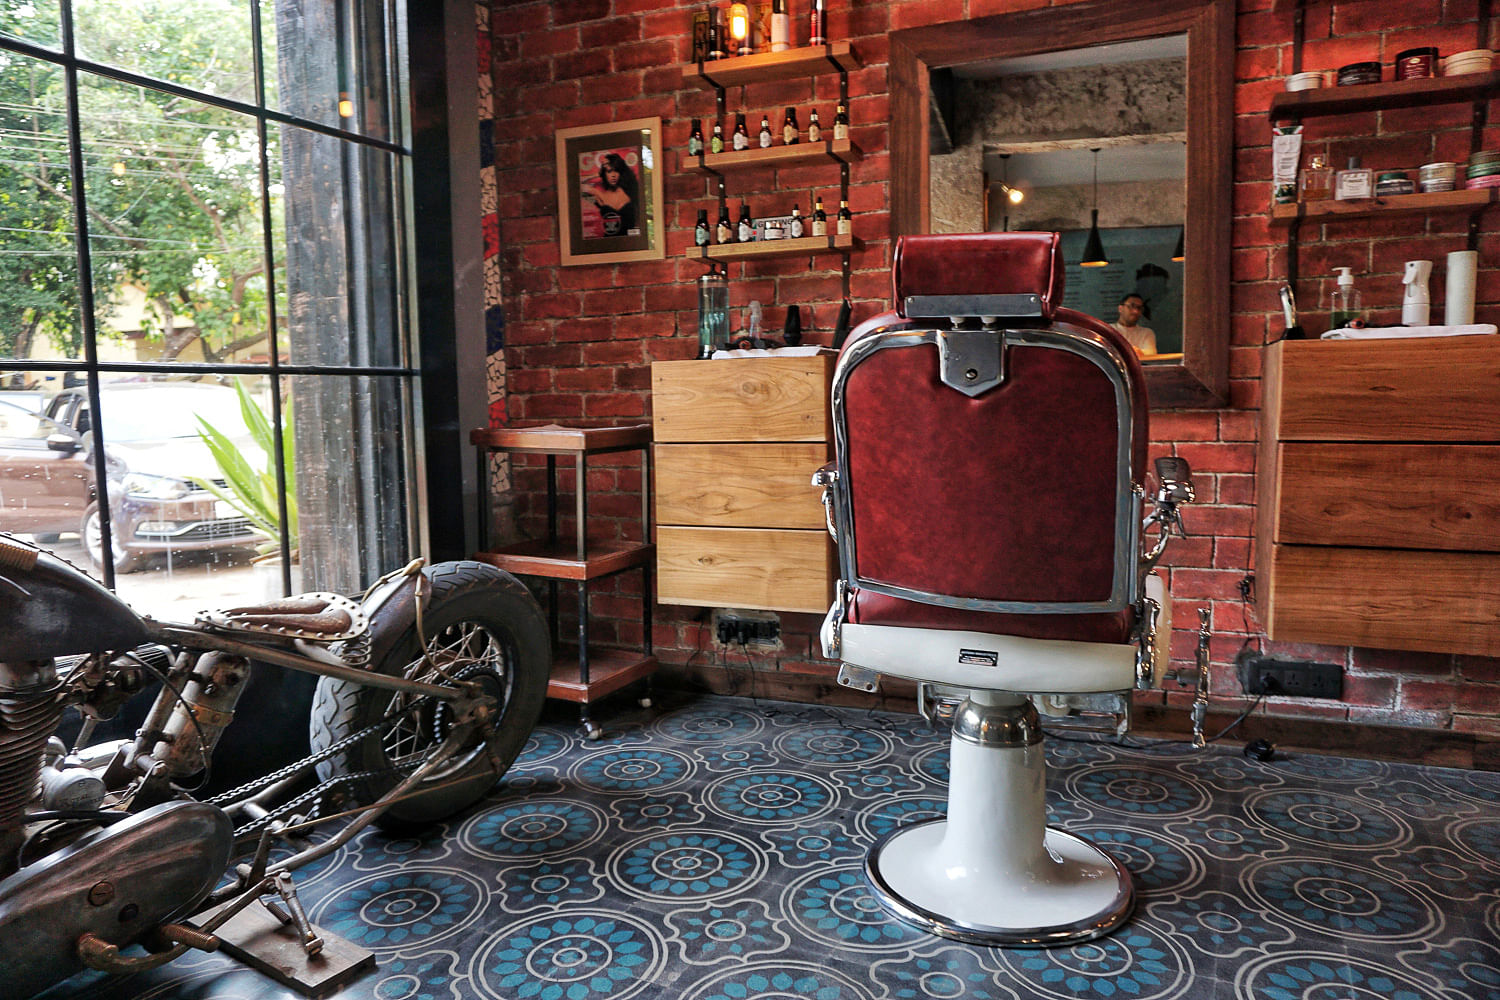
(155, 466)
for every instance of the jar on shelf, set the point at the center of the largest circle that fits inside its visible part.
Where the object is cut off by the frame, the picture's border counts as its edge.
(1315, 183)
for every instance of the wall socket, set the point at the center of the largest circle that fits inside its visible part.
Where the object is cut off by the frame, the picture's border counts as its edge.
(746, 630)
(1288, 678)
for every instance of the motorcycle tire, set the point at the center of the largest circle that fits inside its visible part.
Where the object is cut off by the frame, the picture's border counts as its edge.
(480, 622)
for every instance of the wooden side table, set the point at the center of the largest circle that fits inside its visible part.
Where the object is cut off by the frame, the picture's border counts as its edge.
(597, 672)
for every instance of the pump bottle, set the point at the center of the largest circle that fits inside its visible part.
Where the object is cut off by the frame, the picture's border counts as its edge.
(1416, 305)
(1348, 309)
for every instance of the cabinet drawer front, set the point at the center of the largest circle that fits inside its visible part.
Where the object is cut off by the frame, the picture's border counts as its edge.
(1407, 496)
(740, 485)
(742, 399)
(1431, 389)
(1444, 602)
(767, 569)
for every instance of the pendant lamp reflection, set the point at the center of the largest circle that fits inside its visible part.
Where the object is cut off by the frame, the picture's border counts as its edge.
(1179, 254)
(1093, 249)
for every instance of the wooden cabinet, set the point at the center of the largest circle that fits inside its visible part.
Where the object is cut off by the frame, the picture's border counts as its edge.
(1378, 508)
(738, 522)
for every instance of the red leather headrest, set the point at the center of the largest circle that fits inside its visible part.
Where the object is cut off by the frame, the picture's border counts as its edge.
(979, 264)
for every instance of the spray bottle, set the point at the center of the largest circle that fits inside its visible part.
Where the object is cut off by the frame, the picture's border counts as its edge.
(1416, 306)
(1348, 309)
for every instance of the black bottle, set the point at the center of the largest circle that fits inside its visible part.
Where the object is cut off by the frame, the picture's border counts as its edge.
(741, 134)
(715, 36)
(846, 219)
(747, 228)
(797, 229)
(841, 123)
(814, 126)
(789, 128)
(695, 140)
(700, 232)
(819, 219)
(725, 233)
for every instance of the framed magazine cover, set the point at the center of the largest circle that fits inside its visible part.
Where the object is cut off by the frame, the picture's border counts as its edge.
(609, 192)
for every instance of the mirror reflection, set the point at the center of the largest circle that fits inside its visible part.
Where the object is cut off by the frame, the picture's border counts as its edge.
(1088, 142)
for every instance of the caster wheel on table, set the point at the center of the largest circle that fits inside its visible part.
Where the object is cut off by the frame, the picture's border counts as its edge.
(592, 731)
(644, 701)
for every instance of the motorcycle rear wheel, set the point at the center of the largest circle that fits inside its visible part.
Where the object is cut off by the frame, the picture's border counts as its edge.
(480, 623)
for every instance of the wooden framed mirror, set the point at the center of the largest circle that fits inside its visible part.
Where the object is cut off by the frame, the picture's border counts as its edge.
(1201, 378)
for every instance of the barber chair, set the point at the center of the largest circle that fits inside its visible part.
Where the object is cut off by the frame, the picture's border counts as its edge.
(987, 497)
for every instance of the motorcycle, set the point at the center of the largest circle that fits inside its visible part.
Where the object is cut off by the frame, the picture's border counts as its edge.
(428, 686)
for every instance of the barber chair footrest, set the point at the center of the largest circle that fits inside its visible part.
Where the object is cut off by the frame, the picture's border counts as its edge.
(1078, 894)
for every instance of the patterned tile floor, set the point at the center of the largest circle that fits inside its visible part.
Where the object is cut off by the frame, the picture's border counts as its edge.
(712, 851)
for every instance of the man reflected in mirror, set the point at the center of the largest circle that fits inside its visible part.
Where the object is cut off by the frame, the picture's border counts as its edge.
(1142, 338)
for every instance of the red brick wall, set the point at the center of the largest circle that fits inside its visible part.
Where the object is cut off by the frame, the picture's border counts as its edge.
(580, 340)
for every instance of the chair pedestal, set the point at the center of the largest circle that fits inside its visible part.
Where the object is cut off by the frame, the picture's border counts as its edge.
(992, 872)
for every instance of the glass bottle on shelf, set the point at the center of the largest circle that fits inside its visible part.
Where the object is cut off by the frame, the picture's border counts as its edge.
(700, 232)
(725, 233)
(716, 144)
(747, 228)
(765, 132)
(741, 134)
(818, 26)
(841, 123)
(695, 140)
(789, 128)
(796, 229)
(814, 126)
(781, 27)
(1316, 180)
(1354, 182)
(713, 312)
(819, 219)
(846, 219)
(715, 35)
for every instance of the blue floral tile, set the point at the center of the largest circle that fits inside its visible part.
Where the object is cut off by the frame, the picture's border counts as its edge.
(549, 884)
(402, 910)
(879, 781)
(686, 866)
(1221, 926)
(723, 726)
(934, 764)
(838, 907)
(814, 845)
(1480, 837)
(770, 797)
(731, 932)
(1466, 967)
(777, 981)
(1443, 872)
(1342, 900)
(1136, 961)
(1228, 837)
(426, 978)
(954, 973)
(832, 745)
(1312, 974)
(1139, 791)
(656, 812)
(1156, 861)
(532, 829)
(1328, 819)
(736, 757)
(542, 745)
(632, 770)
(1325, 768)
(879, 819)
(591, 955)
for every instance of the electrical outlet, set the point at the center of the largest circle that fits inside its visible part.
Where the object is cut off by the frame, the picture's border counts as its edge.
(747, 630)
(1288, 678)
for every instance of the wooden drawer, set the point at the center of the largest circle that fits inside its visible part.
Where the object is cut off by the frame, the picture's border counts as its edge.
(740, 485)
(769, 569)
(742, 399)
(1446, 602)
(1404, 496)
(1430, 389)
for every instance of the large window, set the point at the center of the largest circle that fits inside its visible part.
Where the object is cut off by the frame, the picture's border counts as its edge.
(204, 306)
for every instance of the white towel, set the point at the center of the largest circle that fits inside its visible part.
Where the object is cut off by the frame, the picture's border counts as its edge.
(800, 351)
(1398, 332)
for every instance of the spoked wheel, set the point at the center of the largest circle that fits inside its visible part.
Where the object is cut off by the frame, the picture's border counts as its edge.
(480, 625)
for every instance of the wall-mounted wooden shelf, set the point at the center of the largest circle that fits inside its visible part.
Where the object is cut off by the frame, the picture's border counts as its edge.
(806, 246)
(1384, 96)
(1391, 205)
(838, 150)
(767, 66)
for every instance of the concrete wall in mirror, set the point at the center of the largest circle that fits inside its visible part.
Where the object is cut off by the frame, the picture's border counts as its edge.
(1030, 125)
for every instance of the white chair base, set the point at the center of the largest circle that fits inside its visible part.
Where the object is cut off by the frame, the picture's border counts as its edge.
(992, 872)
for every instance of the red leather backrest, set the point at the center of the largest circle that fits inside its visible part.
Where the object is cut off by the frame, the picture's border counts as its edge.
(979, 264)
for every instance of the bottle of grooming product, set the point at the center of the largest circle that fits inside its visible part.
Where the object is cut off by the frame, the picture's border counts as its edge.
(818, 32)
(814, 126)
(781, 26)
(796, 228)
(713, 312)
(1316, 180)
(715, 35)
(1458, 300)
(841, 123)
(792, 332)
(1416, 306)
(819, 219)
(716, 144)
(741, 134)
(725, 231)
(1354, 182)
(701, 231)
(790, 129)
(1348, 306)
(765, 132)
(747, 228)
(695, 140)
(845, 225)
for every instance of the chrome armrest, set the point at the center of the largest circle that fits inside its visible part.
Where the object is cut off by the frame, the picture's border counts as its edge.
(828, 478)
